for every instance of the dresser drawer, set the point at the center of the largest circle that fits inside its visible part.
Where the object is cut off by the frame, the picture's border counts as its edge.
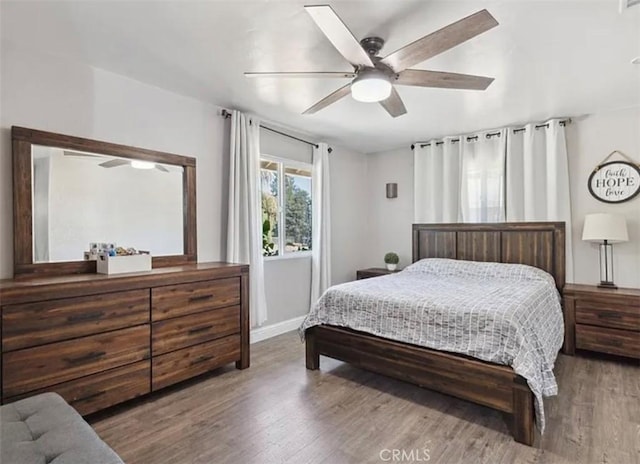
(46, 365)
(181, 299)
(180, 332)
(33, 324)
(99, 391)
(601, 313)
(612, 341)
(189, 362)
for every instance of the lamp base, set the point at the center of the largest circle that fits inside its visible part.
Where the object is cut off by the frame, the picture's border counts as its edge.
(606, 265)
(607, 285)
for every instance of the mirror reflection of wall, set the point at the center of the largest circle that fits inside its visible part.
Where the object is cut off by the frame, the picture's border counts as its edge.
(41, 181)
(80, 198)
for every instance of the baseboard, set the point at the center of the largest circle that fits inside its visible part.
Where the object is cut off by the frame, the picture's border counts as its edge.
(273, 330)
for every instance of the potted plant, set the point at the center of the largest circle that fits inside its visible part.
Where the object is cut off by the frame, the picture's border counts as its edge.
(391, 259)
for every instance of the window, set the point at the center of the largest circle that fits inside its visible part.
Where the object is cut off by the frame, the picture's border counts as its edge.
(482, 180)
(286, 207)
(484, 196)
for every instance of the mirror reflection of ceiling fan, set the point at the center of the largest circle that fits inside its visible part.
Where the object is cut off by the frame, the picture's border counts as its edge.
(374, 77)
(114, 163)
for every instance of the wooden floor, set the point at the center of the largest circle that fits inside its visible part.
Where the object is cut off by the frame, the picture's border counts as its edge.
(277, 411)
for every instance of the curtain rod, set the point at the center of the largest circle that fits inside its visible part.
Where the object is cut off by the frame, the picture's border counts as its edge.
(226, 114)
(564, 122)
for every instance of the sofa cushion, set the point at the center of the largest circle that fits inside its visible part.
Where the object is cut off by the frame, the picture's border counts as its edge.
(44, 429)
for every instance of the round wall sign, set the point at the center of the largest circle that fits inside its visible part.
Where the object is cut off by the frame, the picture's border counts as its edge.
(615, 181)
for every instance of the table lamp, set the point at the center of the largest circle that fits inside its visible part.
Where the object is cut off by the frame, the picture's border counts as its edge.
(606, 229)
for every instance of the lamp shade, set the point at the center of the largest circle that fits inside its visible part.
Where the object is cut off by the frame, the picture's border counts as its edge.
(371, 86)
(604, 226)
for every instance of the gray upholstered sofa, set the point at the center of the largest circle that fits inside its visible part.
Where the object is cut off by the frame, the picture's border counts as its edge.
(44, 429)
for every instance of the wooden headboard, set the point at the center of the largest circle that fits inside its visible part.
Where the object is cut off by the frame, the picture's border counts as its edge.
(538, 244)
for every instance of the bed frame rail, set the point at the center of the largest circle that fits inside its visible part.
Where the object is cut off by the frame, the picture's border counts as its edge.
(497, 387)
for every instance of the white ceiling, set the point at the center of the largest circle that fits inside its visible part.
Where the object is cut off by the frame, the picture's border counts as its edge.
(549, 58)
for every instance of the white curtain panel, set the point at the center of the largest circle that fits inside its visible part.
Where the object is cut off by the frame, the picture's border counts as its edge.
(321, 229)
(482, 173)
(538, 178)
(437, 181)
(244, 227)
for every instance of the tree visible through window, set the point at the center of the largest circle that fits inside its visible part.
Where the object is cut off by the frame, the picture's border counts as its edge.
(270, 186)
(292, 209)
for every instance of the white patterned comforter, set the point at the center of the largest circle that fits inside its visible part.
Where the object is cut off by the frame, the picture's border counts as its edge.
(502, 313)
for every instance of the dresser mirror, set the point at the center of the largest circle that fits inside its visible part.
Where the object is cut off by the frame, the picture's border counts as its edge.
(70, 192)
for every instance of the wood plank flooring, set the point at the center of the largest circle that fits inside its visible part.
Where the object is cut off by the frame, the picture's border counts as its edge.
(278, 412)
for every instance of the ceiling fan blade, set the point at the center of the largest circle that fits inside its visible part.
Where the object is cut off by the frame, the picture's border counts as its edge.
(339, 35)
(160, 167)
(331, 98)
(440, 41)
(394, 105)
(346, 75)
(443, 80)
(113, 163)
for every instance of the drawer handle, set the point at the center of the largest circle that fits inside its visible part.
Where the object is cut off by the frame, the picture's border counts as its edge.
(89, 397)
(199, 360)
(85, 317)
(87, 357)
(204, 328)
(193, 299)
(610, 316)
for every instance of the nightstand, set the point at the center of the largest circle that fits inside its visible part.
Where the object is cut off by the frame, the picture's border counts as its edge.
(602, 319)
(373, 272)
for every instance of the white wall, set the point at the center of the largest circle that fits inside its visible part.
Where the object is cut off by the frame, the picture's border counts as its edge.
(390, 219)
(589, 140)
(349, 211)
(44, 92)
(41, 186)
(285, 147)
(288, 288)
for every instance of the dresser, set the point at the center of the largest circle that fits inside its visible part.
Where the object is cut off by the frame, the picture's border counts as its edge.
(602, 319)
(101, 340)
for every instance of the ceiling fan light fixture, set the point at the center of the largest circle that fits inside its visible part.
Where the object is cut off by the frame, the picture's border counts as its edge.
(137, 164)
(371, 87)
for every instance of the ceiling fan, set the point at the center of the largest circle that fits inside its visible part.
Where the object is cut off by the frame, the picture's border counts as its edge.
(373, 77)
(113, 163)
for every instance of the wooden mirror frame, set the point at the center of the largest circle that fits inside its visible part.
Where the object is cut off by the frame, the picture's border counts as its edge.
(23, 139)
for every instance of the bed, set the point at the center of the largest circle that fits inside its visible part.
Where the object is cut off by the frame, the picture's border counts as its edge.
(540, 245)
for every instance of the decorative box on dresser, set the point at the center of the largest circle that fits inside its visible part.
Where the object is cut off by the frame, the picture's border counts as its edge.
(100, 340)
(602, 319)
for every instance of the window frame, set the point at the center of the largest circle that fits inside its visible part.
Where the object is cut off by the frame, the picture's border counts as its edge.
(283, 163)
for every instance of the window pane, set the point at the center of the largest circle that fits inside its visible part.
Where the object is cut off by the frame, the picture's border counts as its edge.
(482, 193)
(474, 197)
(494, 195)
(269, 188)
(297, 209)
